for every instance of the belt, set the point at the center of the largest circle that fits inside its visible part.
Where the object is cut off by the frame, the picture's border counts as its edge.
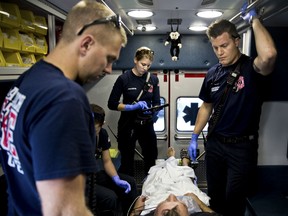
(235, 139)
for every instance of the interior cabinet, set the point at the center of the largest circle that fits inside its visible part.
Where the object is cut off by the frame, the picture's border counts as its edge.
(28, 30)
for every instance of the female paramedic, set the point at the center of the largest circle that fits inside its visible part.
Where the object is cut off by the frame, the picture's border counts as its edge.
(140, 90)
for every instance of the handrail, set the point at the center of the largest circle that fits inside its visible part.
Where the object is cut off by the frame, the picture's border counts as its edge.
(248, 7)
(122, 23)
(177, 137)
(165, 137)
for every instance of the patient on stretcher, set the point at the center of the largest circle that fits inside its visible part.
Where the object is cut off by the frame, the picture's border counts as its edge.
(170, 189)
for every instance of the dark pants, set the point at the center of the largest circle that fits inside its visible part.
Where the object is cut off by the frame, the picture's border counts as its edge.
(147, 139)
(110, 197)
(231, 169)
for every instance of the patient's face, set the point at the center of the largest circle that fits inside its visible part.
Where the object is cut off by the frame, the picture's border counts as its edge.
(171, 203)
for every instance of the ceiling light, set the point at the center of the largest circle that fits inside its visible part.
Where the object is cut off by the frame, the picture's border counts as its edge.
(140, 14)
(209, 14)
(197, 28)
(146, 28)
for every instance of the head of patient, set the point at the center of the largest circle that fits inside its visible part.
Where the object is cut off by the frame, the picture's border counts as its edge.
(171, 207)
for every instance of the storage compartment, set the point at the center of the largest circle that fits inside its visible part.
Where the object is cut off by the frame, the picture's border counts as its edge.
(40, 25)
(20, 15)
(38, 57)
(13, 19)
(27, 21)
(2, 60)
(11, 39)
(12, 59)
(1, 37)
(27, 42)
(28, 59)
(41, 45)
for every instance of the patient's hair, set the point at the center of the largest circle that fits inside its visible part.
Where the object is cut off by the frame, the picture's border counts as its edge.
(170, 212)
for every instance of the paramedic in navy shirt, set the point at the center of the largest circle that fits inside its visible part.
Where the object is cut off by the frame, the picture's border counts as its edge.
(231, 149)
(113, 189)
(130, 127)
(47, 131)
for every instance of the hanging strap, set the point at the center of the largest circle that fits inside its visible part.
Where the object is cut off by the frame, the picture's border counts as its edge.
(231, 79)
(141, 92)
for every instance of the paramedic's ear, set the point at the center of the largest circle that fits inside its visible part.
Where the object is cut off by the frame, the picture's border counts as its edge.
(86, 44)
(237, 41)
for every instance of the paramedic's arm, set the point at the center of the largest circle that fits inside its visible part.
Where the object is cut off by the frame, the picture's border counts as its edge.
(63, 196)
(108, 164)
(264, 62)
(121, 107)
(111, 171)
(202, 117)
(201, 120)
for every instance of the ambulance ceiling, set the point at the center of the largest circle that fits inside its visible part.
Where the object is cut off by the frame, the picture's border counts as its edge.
(186, 11)
(275, 12)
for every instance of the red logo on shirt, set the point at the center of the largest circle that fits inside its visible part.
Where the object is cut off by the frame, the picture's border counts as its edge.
(8, 118)
(239, 84)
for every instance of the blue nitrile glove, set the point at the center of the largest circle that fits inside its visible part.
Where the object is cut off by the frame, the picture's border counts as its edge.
(122, 183)
(193, 146)
(248, 16)
(136, 106)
